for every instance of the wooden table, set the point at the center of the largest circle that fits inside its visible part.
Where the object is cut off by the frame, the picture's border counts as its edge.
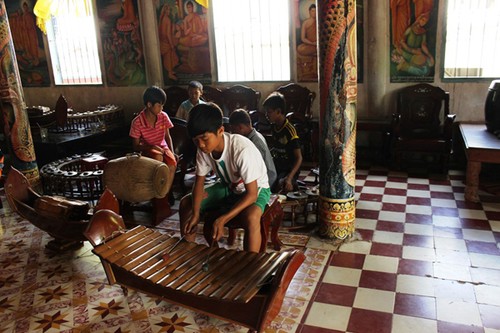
(480, 146)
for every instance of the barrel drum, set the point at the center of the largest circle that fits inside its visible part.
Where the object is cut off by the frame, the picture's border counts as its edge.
(135, 178)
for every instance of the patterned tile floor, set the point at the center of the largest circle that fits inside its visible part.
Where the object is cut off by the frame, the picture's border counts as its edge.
(423, 260)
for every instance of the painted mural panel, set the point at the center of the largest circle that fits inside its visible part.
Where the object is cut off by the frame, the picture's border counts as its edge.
(413, 40)
(183, 34)
(305, 16)
(121, 42)
(28, 43)
(307, 45)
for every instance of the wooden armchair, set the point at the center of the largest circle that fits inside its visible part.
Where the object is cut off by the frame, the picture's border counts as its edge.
(185, 149)
(422, 124)
(299, 101)
(212, 94)
(240, 97)
(175, 96)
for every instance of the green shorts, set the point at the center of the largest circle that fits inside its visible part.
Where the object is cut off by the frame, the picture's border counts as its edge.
(218, 196)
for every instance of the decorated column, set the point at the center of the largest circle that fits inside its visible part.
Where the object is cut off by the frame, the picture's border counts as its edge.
(17, 127)
(338, 90)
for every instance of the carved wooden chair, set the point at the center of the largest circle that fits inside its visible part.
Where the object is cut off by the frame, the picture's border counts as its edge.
(185, 149)
(298, 105)
(175, 96)
(240, 97)
(213, 94)
(422, 124)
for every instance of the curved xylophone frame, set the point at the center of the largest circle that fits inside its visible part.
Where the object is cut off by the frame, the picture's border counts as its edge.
(134, 260)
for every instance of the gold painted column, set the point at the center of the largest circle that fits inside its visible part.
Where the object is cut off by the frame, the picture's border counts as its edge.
(338, 91)
(17, 128)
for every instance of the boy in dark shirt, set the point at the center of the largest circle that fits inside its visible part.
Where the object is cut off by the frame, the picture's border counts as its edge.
(285, 150)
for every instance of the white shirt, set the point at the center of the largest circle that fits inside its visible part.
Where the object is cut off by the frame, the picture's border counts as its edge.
(240, 163)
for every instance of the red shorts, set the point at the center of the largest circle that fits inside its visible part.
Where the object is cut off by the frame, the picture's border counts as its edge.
(168, 156)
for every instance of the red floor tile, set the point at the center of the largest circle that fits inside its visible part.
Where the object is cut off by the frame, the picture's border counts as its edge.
(370, 197)
(347, 259)
(442, 195)
(336, 294)
(395, 191)
(418, 240)
(468, 205)
(482, 247)
(374, 183)
(443, 211)
(418, 201)
(367, 214)
(420, 187)
(392, 207)
(388, 250)
(390, 226)
(474, 224)
(415, 267)
(415, 306)
(366, 321)
(378, 280)
(314, 329)
(418, 218)
(493, 215)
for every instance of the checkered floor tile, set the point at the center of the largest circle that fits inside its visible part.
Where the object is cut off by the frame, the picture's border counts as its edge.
(422, 260)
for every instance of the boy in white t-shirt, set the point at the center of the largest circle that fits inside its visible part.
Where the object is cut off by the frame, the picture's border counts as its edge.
(243, 187)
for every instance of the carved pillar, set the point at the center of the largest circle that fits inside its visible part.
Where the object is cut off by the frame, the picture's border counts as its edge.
(338, 91)
(17, 128)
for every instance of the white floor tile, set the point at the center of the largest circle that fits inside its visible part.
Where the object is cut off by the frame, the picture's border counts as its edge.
(447, 203)
(381, 264)
(396, 199)
(418, 209)
(484, 260)
(456, 311)
(361, 247)
(450, 244)
(488, 294)
(419, 229)
(329, 316)
(478, 235)
(392, 216)
(388, 237)
(446, 221)
(402, 186)
(418, 193)
(443, 270)
(343, 276)
(419, 253)
(368, 224)
(406, 324)
(472, 214)
(415, 285)
(452, 257)
(376, 300)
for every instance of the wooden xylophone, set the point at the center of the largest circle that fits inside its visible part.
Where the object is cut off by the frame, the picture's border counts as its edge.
(242, 287)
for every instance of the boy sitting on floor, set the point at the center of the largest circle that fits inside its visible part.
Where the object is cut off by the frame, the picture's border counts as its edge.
(242, 190)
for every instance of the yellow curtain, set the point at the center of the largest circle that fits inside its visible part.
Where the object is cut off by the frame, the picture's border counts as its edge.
(44, 9)
(204, 3)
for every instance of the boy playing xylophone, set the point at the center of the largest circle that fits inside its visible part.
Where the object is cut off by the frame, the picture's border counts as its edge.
(242, 189)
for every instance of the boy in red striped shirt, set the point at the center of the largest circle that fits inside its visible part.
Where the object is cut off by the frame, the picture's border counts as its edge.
(150, 131)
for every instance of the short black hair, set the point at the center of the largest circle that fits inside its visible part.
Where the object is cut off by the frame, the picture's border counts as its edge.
(275, 101)
(204, 118)
(153, 95)
(312, 6)
(195, 84)
(240, 117)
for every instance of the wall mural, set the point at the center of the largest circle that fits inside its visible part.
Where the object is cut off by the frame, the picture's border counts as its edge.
(307, 45)
(413, 40)
(183, 34)
(121, 42)
(305, 15)
(28, 43)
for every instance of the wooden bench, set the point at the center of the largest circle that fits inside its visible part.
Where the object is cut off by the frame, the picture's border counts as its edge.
(271, 219)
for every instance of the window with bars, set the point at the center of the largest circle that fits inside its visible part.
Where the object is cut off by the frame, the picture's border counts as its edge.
(472, 46)
(72, 42)
(252, 40)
